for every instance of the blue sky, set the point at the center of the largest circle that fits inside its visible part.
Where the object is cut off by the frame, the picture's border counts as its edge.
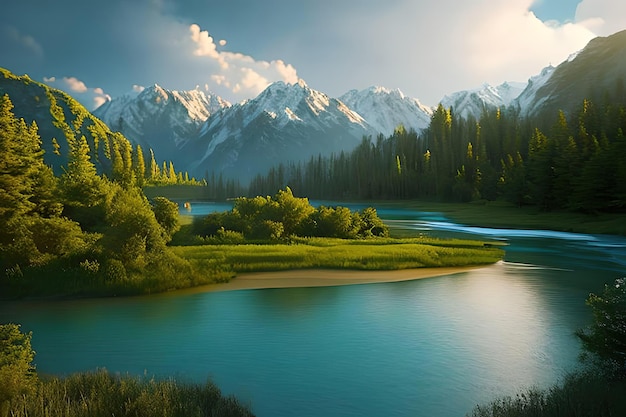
(98, 49)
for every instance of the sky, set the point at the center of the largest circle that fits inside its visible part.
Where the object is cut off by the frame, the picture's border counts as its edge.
(100, 49)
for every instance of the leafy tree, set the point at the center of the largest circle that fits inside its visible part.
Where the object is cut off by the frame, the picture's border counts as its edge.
(17, 373)
(166, 213)
(291, 211)
(605, 338)
(132, 233)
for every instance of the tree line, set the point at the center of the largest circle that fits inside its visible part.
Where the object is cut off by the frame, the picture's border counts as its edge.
(284, 216)
(559, 161)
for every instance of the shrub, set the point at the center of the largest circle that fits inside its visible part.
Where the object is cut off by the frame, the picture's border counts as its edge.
(17, 374)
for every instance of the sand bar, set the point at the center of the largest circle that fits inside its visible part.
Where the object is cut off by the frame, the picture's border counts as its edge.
(324, 278)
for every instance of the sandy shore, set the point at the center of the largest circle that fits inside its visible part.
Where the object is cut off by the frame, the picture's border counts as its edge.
(325, 278)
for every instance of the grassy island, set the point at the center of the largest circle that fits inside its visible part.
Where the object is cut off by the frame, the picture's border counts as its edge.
(286, 233)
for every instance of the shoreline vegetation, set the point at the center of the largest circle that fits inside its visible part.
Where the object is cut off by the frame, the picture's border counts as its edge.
(500, 214)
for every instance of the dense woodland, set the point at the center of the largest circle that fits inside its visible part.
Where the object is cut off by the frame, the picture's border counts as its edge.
(81, 231)
(557, 161)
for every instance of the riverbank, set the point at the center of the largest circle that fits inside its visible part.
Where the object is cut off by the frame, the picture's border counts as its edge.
(498, 214)
(308, 278)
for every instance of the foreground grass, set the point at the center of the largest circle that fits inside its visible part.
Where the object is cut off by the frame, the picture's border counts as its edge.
(100, 394)
(370, 254)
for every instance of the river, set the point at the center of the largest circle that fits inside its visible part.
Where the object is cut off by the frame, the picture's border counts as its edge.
(431, 347)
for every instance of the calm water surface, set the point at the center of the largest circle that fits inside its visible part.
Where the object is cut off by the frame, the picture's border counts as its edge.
(432, 347)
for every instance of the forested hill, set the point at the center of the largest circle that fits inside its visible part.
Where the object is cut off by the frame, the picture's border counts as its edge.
(575, 162)
(60, 119)
(62, 123)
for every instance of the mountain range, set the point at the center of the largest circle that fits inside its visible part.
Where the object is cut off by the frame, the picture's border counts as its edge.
(203, 133)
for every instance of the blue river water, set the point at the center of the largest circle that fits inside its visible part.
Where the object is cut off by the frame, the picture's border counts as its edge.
(430, 347)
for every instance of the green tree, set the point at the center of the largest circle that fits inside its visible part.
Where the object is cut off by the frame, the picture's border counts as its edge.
(132, 233)
(291, 211)
(166, 214)
(17, 373)
(84, 192)
(605, 338)
(140, 166)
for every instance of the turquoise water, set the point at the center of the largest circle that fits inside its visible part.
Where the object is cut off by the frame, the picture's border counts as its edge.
(432, 347)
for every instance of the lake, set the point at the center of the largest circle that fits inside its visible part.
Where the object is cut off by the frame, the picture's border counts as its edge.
(431, 347)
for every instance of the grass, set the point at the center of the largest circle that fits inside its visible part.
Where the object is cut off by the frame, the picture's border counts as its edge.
(100, 394)
(585, 394)
(369, 254)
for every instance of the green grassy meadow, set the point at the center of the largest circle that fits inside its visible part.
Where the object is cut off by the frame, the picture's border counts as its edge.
(327, 253)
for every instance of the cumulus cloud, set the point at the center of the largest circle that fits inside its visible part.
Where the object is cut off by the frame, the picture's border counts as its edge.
(75, 85)
(92, 98)
(603, 17)
(241, 74)
(429, 49)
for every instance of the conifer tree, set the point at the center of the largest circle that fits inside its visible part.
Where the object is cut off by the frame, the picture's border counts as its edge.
(140, 166)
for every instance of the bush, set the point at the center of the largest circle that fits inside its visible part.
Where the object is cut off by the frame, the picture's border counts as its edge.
(17, 374)
(585, 394)
(605, 339)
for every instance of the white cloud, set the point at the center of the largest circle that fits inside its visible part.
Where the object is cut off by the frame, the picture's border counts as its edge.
(25, 42)
(92, 98)
(603, 17)
(75, 85)
(241, 74)
(429, 49)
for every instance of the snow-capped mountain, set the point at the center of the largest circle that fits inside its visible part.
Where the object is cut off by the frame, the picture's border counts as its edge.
(159, 118)
(286, 122)
(386, 109)
(472, 103)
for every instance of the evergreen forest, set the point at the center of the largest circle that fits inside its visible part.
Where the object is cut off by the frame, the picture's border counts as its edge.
(561, 161)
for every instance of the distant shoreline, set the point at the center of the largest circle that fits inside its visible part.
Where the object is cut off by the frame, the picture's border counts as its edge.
(303, 278)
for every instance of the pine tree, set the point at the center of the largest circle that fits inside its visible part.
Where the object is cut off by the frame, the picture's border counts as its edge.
(140, 166)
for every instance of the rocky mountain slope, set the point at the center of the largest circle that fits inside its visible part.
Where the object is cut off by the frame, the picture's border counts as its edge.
(161, 119)
(597, 70)
(286, 122)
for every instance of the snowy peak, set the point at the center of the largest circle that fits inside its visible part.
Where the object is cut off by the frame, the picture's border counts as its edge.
(154, 101)
(298, 103)
(285, 122)
(386, 109)
(528, 98)
(473, 102)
